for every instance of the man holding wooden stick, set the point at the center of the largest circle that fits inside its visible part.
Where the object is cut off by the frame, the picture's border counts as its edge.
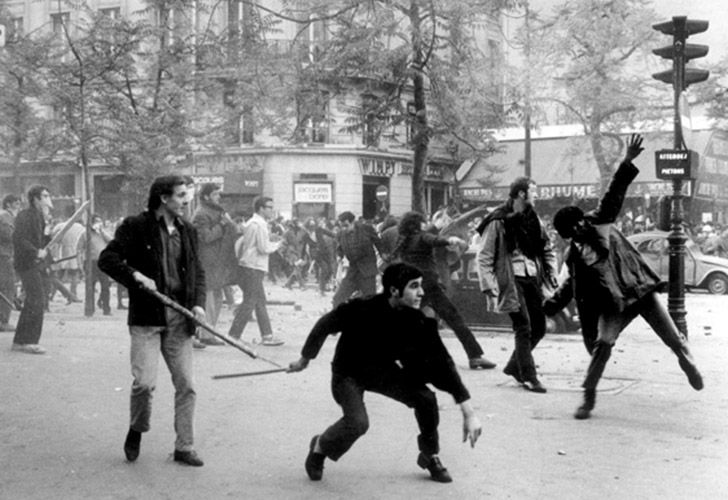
(158, 251)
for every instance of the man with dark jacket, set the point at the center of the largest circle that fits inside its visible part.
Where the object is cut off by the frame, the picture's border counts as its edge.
(611, 282)
(29, 242)
(217, 233)
(356, 242)
(157, 250)
(389, 347)
(11, 207)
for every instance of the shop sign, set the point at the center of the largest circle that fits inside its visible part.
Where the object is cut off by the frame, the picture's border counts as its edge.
(244, 183)
(209, 179)
(376, 167)
(573, 191)
(674, 163)
(312, 192)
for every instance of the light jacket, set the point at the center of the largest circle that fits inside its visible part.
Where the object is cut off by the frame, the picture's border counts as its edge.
(254, 246)
(495, 266)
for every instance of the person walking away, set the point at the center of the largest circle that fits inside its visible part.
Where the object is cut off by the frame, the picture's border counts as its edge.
(253, 249)
(415, 246)
(29, 252)
(157, 251)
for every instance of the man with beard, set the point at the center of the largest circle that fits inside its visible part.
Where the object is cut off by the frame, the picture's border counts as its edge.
(515, 260)
(611, 282)
(217, 234)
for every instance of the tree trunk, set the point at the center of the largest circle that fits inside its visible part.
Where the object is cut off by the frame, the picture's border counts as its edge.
(421, 134)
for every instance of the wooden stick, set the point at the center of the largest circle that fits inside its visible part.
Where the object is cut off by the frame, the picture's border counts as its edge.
(249, 374)
(228, 340)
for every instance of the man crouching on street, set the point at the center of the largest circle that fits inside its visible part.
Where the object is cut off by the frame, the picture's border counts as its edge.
(390, 347)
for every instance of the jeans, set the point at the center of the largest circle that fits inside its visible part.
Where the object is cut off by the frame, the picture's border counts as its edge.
(435, 297)
(251, 283)
(349, 394)
(30, 322)
(529, 326)
(176, 346)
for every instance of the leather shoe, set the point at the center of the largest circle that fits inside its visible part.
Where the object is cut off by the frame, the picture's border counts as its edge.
(196, 344)
(694, 376)
(432, 463)
(480, 363)
(513, 371)
(584, 411)
(132, 445)
(211, 341)
(314, 462)
(534, 386)
(188, 457)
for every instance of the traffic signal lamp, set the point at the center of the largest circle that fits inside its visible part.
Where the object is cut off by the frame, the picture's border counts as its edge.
(679, 52)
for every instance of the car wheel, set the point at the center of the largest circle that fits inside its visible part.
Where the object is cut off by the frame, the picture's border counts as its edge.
(717, 284)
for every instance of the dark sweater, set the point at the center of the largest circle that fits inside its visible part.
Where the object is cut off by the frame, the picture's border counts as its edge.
(377, 338)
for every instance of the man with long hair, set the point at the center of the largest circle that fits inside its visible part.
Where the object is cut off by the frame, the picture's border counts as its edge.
(157, 250)
(515, 260)
(415, 246)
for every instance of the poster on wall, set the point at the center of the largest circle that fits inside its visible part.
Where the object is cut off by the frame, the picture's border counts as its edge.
(308, 192)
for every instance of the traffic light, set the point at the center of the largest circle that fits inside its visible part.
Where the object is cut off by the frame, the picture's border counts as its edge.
(679, 52)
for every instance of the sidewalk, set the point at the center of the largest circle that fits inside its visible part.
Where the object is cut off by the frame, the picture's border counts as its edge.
(65, 415)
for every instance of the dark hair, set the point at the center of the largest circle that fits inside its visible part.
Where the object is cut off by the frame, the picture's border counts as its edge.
(35, 192)
(411, 223)
(565, 219)
(520, 184)
(259, 202)
(162, 186)
(346, 216)
(398, 275)
(9, 200)
(208, 188)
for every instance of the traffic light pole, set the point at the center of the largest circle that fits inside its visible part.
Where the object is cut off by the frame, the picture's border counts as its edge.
(677, 236)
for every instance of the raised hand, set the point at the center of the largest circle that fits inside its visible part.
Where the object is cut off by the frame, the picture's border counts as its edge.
(634, 147)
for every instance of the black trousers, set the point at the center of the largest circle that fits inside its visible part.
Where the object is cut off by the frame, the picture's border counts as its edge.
(529, 326)
(30, 322)
(435, 297)
(349, 394)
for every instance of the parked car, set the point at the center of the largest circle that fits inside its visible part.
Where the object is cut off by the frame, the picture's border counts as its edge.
(469, 300)
(701, 271)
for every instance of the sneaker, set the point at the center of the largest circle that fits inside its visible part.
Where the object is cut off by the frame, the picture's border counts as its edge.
(314, 461)
(28, 348)
(188, 457)
(271, 341)
(432, 463)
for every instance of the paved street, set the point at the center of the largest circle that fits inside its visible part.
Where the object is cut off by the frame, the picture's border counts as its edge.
(64, 417)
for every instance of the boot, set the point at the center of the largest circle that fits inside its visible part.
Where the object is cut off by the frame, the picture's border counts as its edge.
(584, 411)
(687, 364)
